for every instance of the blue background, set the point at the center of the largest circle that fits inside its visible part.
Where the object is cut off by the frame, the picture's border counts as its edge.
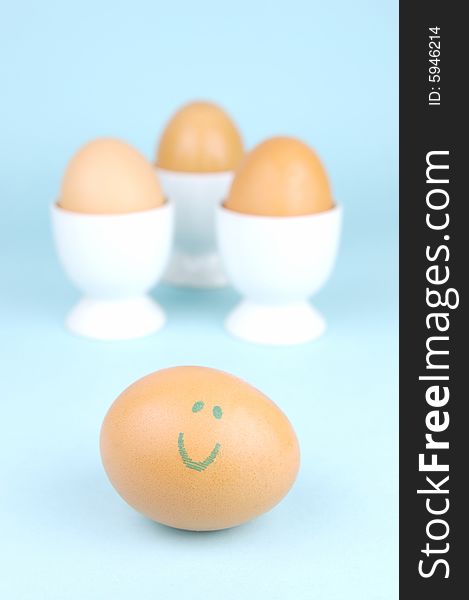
(323, 71)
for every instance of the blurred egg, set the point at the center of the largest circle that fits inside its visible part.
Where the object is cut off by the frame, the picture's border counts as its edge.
(108, 176)
(280, 177)
(200, 138)
(199, 449)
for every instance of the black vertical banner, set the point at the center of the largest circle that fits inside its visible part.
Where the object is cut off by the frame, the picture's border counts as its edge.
(434, 258)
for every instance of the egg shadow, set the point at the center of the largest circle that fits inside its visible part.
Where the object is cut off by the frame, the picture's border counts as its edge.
(84, 492)
(172, 534)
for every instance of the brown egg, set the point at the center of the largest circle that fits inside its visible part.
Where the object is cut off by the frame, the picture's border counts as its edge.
(280, 177)
(199, 449)
(107, 176)
(200, 138)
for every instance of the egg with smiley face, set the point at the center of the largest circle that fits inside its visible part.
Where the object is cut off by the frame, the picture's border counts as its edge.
(199, 449)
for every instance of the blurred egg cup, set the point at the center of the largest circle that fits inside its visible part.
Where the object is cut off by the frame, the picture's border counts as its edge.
(277, 263)
(195, 261)
(114, 260)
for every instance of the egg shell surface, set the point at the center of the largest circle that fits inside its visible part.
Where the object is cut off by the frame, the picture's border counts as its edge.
(109, 176)
(280, 177)
(199, 449)
(200, 138)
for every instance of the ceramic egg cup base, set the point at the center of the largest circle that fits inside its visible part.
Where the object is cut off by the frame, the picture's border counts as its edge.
(278, 325)
(204, 271)
(195, 261)
(119, 319)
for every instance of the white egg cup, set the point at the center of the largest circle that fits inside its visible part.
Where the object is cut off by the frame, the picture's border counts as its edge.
(277, 263)
(195, 261)
(114, 260)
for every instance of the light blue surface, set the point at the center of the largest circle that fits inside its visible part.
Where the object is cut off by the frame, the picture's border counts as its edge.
(325, 71)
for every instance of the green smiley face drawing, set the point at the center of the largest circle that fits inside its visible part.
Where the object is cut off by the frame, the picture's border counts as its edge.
(199, 465)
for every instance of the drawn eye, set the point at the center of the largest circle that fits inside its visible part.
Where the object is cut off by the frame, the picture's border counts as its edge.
(217, 412)
(197, 406)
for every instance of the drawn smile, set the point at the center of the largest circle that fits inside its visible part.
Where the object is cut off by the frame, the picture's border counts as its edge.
(197, 465)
